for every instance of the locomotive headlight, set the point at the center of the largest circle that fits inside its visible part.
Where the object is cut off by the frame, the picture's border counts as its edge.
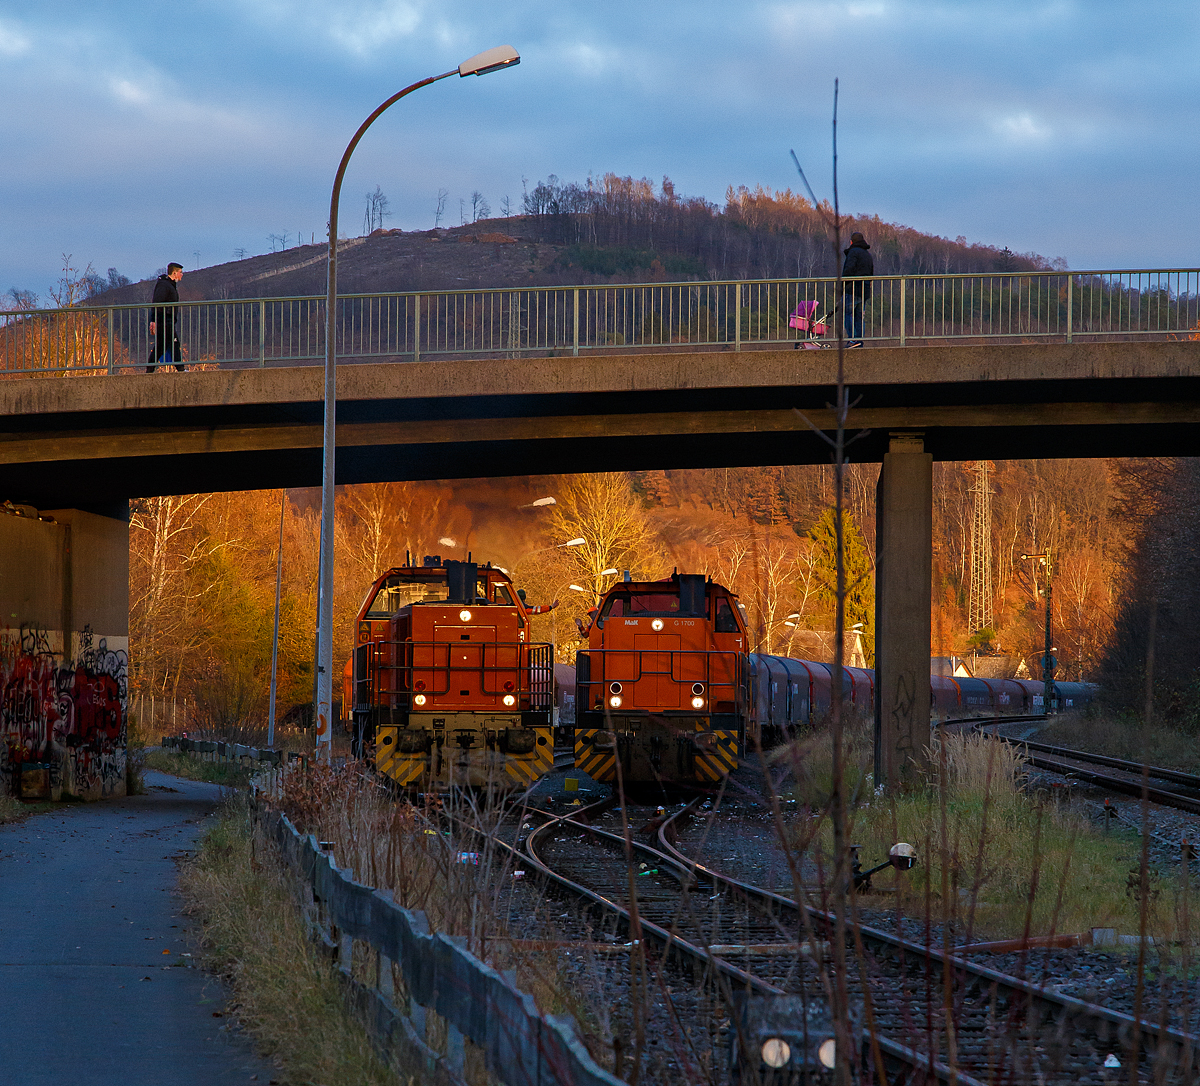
(776, 1053)
(827, 1053)
(419, 699)
(656, 625)
(615, 688)
(615, 701)
(697, 703)
(697, 688)
(464, 615)
(509, 700)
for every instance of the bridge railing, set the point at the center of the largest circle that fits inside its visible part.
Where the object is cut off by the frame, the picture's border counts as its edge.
(1008, 307)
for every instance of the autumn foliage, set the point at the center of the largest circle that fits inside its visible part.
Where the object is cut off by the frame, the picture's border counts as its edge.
(203, 566)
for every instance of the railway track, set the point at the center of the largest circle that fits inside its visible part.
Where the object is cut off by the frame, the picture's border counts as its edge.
(1131, 778)
(740, 937)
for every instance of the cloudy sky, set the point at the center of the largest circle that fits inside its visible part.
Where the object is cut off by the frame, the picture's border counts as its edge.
(137, 133)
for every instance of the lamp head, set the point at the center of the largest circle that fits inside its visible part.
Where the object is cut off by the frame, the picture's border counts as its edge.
(902, 856)
(491, 60)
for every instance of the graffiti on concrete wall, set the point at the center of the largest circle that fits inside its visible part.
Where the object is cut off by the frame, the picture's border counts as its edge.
(68, 714)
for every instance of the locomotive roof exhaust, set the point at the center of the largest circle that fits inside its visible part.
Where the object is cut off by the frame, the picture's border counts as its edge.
(461, 577)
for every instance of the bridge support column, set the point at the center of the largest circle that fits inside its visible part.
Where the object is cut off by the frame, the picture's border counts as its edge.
(64, 652)
(903, 575)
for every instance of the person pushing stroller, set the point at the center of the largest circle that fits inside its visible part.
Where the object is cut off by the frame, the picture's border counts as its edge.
(858, 267)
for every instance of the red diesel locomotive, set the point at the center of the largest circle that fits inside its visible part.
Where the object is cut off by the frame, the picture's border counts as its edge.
(446, 688)
(663, 683)
(666, 685)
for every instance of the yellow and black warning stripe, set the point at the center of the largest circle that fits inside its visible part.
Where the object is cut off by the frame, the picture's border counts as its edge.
(599, 763)
(527, 768)
(405, 769)
(722, 759)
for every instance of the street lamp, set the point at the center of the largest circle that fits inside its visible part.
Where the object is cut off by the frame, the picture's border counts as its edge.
(493, 60)
(1048, 660)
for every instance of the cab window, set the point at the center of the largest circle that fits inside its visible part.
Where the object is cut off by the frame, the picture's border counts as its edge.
(633, 604)
(725, 622)
(397, 592)
(503, 594)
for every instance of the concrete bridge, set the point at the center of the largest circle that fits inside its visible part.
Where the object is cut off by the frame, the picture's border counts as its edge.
(84, 446)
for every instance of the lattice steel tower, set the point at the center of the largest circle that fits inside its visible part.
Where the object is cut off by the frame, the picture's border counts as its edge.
(980, 606)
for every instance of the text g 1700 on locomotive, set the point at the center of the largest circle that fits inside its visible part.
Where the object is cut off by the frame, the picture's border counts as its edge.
(662, 685)
(446, 687)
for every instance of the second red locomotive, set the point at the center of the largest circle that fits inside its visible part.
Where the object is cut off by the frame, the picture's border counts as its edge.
(447, 690)
(663, 683)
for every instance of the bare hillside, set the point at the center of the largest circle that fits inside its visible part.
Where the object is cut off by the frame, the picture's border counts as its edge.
(485, 254)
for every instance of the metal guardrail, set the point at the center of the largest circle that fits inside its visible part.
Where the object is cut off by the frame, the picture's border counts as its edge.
(215, 750)
(520, 1046)
(1003, 307)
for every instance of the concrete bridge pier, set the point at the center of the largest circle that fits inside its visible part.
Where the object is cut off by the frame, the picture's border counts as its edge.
(903, 575)
(64, 651)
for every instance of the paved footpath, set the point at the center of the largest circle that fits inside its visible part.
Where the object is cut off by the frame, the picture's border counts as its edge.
(87, 908)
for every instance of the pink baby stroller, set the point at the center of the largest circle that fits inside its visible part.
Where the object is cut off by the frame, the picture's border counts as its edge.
(804, 318)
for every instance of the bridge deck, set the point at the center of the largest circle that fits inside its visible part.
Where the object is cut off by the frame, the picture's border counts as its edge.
(91, 441)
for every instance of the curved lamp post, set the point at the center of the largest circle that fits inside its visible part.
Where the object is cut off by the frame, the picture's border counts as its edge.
(503, 56)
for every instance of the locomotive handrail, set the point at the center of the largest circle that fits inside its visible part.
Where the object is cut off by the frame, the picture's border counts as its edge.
(736, 684)
(533, 668)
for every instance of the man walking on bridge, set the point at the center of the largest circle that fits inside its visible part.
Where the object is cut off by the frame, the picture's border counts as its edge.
(858, 265)
(162, 321)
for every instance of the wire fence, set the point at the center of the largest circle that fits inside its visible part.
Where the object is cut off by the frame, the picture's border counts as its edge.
(1008, 307)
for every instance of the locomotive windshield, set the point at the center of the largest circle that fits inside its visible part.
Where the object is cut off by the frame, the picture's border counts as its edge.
(400, 590)
(629, 604)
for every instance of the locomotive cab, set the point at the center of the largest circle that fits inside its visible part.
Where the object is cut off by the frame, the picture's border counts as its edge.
(452, 693)
(662, 684)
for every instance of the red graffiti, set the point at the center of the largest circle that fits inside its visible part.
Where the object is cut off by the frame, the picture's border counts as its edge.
(95, 702)
(41, 704)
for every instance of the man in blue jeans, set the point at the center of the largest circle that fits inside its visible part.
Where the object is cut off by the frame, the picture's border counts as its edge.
(858, 265)
(163, 319)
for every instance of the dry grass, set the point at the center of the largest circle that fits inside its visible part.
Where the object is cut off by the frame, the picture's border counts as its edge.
(192, 768)
(396, 847)
(995, 860)
(13, 810)
(1122, 736)
(286, 996)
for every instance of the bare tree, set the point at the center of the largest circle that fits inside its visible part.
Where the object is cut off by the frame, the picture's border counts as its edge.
(480, 208)
(165, 542)
(601, 509)
(16, 298)
(74, 286)
(506, 207)
(441, 207)
(376, 211)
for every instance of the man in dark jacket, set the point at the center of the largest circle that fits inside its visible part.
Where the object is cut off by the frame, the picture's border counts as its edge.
(858, 266)
(163, 319)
